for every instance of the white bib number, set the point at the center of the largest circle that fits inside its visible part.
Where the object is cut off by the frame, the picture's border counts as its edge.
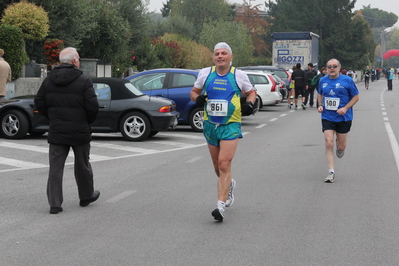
(217, 107)
(331, 103)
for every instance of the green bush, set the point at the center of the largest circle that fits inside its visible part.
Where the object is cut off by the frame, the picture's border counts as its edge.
(12, 42)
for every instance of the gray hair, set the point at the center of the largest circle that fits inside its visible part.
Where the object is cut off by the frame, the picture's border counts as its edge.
(339, 64)
(68, 54)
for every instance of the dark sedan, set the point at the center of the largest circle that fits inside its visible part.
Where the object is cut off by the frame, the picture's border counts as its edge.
(123, 109)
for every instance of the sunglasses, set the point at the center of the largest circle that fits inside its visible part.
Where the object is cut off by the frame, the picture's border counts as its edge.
(334, 66)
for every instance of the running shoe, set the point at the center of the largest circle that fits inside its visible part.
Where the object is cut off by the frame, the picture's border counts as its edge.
(218, 213)
(330, 178)
(339, 153)
(230, 197)
(296, 107)
(303, 106)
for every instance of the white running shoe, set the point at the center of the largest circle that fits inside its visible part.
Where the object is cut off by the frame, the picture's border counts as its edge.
(230, 197)
(330, 178)
(218, 213)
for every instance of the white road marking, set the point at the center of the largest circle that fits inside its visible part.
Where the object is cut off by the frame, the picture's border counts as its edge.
(20, 164)
(172, 143)
(391, 135)
(121, 196)
(261, 125)
(273, 119)
(44, 149)
(187, 136)
(195, 159)
(120, 147)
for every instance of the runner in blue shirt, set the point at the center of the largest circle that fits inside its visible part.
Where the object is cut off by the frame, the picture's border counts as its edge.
(337, 95)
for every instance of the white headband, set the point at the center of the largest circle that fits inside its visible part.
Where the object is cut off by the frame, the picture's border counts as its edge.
(223, 45)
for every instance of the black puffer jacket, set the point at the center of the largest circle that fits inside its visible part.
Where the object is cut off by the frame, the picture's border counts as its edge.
(67, 98)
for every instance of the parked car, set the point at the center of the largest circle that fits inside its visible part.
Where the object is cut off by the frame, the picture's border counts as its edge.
(123, 109)
(280, 72)
(266, 87)
(174, 84)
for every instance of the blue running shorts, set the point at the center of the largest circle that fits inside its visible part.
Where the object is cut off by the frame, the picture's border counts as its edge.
(214, 133)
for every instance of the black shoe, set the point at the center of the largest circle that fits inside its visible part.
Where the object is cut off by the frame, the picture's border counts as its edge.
(55, 210)
(86, 202)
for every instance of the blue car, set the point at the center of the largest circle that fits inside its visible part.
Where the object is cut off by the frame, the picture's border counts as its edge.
(176, 85)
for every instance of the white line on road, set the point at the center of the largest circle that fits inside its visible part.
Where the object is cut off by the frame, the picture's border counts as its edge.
(261, 125)
(121, 196)
(187, 136)
(391, 136)
(20, 164)
(273, 119)
(120, 147)
(43, 149)
(195, 159)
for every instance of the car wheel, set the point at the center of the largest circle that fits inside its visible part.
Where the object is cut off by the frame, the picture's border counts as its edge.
(135, 126)
(196, 119)
(14, 125)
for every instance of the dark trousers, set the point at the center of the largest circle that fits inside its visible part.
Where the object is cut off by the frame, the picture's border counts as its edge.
(309, 94)
(83, 172)
(389, 84)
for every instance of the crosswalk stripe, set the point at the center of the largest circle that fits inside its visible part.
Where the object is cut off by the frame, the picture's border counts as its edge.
(19, 163)
(187, 136)
(122, 148)
(44, 150)
(173, 143)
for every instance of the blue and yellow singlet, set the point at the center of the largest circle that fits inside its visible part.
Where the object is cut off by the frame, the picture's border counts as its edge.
(223, 105)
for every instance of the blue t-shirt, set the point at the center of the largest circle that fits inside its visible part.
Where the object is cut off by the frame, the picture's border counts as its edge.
(336, 94)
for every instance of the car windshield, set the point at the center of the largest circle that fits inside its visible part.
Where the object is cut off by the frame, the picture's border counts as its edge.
(279, 73)
(258, 79)
(133, 89)
(152, 81)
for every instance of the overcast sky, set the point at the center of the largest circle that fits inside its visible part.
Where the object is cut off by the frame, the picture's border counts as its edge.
(386, 5)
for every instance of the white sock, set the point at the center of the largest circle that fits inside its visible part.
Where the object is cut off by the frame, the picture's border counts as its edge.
(331, 171)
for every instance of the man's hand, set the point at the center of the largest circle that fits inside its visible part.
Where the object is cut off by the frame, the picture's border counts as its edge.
(247, 109)
(201, 100)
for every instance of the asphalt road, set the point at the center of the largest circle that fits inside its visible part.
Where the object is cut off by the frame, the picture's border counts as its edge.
(157, 197)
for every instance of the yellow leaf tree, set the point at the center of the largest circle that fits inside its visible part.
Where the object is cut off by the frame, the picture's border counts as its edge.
(31, 19)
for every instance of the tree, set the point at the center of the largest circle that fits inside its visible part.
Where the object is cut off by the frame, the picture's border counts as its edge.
(133, 11)
(235, 34)
(176, 25)
(393, 44)
(166, 9)
(192, 55)
(70, 20)
(201, 12)
(109, 39)
(333, 21)
(378, 18)
(31, 19)
(257, 27)
(12, 42)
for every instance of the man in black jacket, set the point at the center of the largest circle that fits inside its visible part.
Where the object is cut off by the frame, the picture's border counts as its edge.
(310, 74)
(301, 81)
(67, 98)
